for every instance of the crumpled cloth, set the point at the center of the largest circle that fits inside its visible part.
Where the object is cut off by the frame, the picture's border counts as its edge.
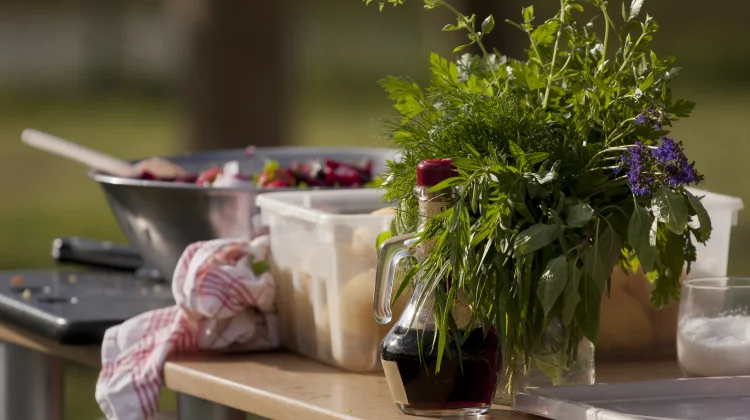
(220, 305)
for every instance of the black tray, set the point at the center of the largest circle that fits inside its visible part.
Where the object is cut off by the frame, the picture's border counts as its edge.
(77, 307)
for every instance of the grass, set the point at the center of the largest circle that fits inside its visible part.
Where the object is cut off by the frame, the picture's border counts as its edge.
(45, 197)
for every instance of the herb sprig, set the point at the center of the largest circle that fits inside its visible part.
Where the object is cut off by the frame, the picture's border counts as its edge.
(565, 171)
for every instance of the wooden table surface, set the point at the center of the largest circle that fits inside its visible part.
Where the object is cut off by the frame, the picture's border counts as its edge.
(288, 387)
(285, 386)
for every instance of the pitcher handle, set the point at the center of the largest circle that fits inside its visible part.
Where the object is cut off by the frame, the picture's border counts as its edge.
(391, 252)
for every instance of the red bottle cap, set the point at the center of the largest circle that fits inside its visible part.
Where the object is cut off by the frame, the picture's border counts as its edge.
(431, 172)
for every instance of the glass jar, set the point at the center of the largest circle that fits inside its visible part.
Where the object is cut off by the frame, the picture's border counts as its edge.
(467, 378)
(713, 332)
(547, 367)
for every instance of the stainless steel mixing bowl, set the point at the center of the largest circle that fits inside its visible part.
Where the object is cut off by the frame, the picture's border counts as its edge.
(161, 219)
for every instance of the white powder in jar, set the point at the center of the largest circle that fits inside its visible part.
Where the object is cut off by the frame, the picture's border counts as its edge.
(714, 346)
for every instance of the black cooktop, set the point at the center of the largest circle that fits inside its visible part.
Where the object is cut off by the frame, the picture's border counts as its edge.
(77, 306)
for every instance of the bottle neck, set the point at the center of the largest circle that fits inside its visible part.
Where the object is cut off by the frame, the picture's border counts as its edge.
(432, 203)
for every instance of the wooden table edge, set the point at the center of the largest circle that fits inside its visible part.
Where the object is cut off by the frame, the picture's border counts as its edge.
(86, 355)
(187, 380)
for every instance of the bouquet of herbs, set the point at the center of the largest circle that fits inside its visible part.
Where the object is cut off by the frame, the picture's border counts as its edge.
(566, 171)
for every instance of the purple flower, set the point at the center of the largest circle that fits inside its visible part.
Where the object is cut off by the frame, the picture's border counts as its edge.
(652, 117)
(637, 159)
(670, 156)
(668, 151)
(666, 163)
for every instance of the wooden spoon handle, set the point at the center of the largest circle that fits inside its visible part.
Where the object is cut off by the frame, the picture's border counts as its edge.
(78, 153)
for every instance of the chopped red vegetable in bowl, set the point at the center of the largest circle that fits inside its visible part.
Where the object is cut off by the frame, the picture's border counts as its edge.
(301, 174)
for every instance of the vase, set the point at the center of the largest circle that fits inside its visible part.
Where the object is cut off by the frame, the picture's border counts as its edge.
(545, 369)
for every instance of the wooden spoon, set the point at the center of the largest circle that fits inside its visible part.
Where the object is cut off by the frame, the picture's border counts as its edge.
(160, 168)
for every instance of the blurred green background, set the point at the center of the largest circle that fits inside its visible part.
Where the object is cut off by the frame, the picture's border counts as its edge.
(104, 74)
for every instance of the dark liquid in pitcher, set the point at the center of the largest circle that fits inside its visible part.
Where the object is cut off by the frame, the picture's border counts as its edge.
(451, 388)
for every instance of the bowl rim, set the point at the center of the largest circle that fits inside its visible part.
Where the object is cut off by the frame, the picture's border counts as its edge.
(104, 178)
(695, 283)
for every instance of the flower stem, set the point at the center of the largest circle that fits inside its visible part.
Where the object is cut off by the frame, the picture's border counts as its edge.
(606, 35)
(474, 33)
(554, 54)
(626, 59)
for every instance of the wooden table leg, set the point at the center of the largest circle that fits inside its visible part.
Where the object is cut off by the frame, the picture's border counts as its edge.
(194, 408)
(31, 384)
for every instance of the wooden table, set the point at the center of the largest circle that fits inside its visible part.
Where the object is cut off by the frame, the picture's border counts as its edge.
(288, 387)
(285, 386)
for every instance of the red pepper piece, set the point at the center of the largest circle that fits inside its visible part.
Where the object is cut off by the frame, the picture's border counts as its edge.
(208, 177)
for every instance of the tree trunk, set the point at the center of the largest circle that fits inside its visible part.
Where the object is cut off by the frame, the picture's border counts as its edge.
(234, 82)
(103, 43)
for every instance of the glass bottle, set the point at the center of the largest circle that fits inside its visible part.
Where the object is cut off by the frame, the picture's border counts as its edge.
(464, 385)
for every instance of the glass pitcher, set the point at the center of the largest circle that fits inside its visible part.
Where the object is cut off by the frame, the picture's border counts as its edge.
(463, 386)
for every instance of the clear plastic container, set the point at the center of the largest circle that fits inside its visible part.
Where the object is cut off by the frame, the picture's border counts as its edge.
(323, 259)
(630, 328)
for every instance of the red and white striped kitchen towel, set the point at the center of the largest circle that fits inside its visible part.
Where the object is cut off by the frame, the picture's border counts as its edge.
(221, 305)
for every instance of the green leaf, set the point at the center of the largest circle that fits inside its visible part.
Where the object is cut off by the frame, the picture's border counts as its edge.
(407, 95)
(517, 199)
(547, 176)
(531, 159)
(639, 234)
(600, 84)
(635, 9)
(488, 25)
(600, 259)
(544, 35)
(549, 368)
(587, 311)
(445, 71)
(703, 218)
(674, 255)
(571, 296)
(259, 267)
(553, 281)
(670, 208)
(579, 215)
(528, 14)
(515, 150)
(535, 237)
(575, 6)
(447, 183)
(647, 82)
(681, 108)
(537, 191)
